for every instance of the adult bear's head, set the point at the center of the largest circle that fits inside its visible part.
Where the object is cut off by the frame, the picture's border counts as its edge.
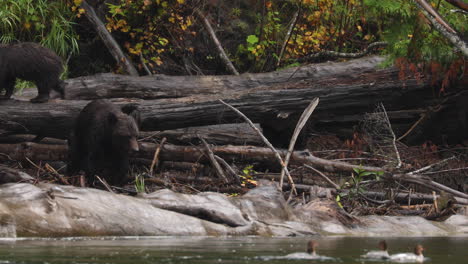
(124, 132)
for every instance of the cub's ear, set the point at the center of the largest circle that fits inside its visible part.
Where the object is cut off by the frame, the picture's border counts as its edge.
(132, 110)
(112, 118)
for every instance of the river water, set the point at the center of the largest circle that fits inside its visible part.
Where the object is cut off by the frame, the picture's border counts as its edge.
(132, 250)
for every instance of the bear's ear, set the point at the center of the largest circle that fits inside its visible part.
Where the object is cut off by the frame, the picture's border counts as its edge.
(112, 118)
(132, 110)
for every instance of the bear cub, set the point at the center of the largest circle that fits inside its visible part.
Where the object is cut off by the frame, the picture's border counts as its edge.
(31, 62)
(102, 140)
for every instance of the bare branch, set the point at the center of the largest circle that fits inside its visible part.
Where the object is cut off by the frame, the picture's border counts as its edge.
(424, 181)
(103, 181)
(228, 168)
(222, 53)
(335, 54)
(300, 124)
(393, 137)
(336, 186)
(277, 155)
(288, 36)
(156, 156)
(431, 166)
(442, 26)
(214, 162)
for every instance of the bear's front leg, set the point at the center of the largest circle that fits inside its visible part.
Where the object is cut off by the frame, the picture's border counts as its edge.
(9, 87)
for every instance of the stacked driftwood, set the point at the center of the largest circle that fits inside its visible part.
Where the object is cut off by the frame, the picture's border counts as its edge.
(189, 126)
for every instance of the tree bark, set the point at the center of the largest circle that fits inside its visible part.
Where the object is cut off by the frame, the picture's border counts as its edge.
(108, 40)
(459, 3)
(224, 134)
(346, 90)
(163, 86)
(34, 151)
(275, 100)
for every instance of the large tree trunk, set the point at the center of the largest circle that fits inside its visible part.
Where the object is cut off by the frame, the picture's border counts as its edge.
(163, 86)
(275, 100)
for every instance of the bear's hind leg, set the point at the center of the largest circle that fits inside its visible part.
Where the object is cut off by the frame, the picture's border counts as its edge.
(43, 93)
(60, 88)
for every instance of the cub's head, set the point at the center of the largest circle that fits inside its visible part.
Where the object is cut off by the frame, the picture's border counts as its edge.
(124, 132)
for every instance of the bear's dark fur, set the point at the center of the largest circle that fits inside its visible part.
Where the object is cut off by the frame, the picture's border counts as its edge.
(32, 62)
(102, 140)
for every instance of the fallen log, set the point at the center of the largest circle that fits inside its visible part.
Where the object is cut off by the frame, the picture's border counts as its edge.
(20, 138)
(163, 86)
(223, 134)
(37, 152)
(277, 109)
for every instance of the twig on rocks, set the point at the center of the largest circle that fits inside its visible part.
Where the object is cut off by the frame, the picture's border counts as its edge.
(56, 174)
(156, 156)
(300, 124)
(431, 166)
(336, 186)
(103, 181)
(228, 168)
(214, 162)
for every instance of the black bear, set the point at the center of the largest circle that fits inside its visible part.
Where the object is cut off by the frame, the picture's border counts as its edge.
(102, 140)
(31, 62)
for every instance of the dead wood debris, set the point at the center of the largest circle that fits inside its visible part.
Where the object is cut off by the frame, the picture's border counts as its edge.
(184, 168)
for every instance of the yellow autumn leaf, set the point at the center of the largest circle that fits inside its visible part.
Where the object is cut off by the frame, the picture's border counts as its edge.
(180, 1)
(77, 2)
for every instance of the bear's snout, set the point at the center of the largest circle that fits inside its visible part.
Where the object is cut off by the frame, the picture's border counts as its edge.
(134, 145)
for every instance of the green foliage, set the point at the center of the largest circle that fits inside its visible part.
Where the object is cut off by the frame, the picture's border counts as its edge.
(358, 176)
(409, 34)
(338, 201)
(140, 183)
(43, 21)
(247, 176)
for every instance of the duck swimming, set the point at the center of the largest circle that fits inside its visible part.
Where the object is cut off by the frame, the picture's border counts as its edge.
(311, 245)
(417, 256)
(378, 254)
(311, 253)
